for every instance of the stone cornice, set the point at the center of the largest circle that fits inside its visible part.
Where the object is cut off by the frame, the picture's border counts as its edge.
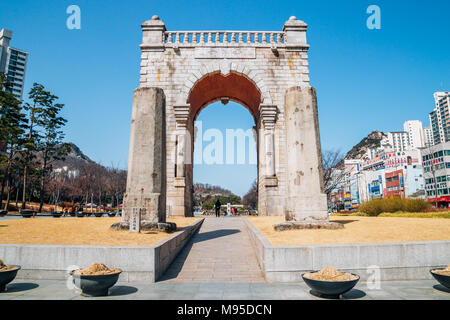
(181, 115)
(268, 115)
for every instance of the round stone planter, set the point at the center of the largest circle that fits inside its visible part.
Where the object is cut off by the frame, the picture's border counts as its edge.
(56, 214)
(95, 286)
(330, 289)
(27, 213)
(7, 276)
(3, 213)
(442, 279)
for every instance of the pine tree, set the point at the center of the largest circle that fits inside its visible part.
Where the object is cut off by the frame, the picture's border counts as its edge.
(12, 126)
(45, 137)
(37, 96)
(50, 146)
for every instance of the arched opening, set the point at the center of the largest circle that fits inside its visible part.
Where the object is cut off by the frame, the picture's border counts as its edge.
(225, 135)
(233, 86)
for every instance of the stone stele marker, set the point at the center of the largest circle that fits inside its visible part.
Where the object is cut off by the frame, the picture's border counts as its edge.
(135, 224)
(146, 181)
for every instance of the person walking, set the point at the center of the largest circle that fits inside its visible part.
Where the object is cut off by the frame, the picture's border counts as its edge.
(217, 207)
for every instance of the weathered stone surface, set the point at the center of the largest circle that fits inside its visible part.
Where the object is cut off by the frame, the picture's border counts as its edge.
(305, 199)
(147, 226)
(290, 225)
(146, 181)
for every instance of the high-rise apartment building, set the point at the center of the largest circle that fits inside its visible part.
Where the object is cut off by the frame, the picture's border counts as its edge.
(428, 136)
(13, 63)
(440, 118)
(399, 140)
(414, 129)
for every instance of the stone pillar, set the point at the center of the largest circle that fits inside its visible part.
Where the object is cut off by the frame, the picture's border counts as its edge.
(146, 181)
(306, 203)
(181, 196)
(183, 143)
(268, 116)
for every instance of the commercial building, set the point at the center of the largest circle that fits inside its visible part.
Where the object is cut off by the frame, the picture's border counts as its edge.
(13, 63)
(406, 182)
(388, 173)
(436, 167)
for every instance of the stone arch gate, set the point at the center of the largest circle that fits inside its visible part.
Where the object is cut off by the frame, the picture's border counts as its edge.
(184, 71)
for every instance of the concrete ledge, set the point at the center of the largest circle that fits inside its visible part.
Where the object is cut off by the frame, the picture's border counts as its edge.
(52, 262)
(396, 260)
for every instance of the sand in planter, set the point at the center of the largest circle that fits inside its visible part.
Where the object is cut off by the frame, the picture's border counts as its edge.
(96, 269)
(444, 272)
(4, 267)
(330, 274)
(357, 230)
(79, 231)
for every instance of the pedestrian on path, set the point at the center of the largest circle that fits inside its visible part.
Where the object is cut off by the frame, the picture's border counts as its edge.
(217, 207)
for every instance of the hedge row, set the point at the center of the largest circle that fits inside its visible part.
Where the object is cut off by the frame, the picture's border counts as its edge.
(376, 206)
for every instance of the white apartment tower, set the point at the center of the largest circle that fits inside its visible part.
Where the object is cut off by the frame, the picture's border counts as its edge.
(428, 136)
(399, 140)
(13, 63)
(440, 118)
(414, 129)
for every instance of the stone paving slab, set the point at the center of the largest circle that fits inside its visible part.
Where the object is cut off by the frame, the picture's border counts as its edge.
(220, 252)
(57, 290)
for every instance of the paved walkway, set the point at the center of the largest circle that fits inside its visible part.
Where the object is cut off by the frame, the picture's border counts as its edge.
(220, 252)
(57, 290)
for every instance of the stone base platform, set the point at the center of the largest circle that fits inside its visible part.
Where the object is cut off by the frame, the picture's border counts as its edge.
(168, 227)
(145, 264)
(387, 260)
(290, 225)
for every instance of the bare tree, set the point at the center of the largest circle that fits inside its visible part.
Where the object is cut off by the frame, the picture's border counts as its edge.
(58, 186)
(251, 197)
(333, 170)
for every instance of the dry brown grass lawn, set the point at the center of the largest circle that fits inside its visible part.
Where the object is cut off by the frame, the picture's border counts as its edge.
(79, 231)
(357, 230)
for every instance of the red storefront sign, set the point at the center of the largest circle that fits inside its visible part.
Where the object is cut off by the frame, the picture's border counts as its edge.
(440, 199)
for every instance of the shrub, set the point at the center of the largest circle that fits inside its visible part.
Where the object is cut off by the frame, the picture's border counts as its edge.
(416, 205)
(372, 207)
(394, 204)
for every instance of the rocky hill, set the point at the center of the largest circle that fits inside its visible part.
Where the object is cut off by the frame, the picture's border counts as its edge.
(371, 141)
(75, 159)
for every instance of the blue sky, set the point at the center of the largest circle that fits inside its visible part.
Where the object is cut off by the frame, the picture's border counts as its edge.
(365, 79)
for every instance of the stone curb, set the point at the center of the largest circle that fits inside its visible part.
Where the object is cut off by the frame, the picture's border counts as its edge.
(53, 262)
(393, 260)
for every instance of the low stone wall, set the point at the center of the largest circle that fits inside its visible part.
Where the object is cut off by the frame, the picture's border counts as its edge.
(395, 260)
(144, 264)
